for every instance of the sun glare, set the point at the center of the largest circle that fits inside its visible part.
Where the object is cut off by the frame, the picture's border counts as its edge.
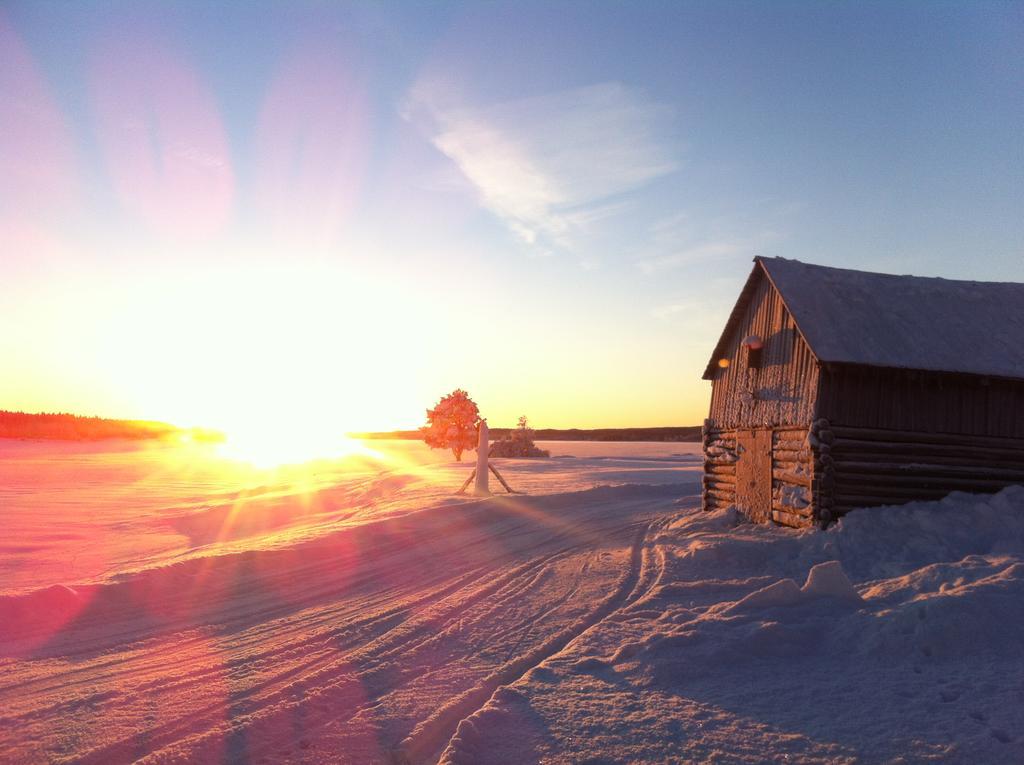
(276, 447)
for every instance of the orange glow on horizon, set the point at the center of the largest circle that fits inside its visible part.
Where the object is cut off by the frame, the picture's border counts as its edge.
(314, 343)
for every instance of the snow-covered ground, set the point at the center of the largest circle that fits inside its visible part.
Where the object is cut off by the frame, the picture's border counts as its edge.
(358, 611)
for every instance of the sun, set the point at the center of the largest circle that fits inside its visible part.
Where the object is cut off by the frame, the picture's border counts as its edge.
(279, 446)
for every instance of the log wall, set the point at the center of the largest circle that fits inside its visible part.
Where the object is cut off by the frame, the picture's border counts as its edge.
(783, 390)
(874, 466)
(823, 472)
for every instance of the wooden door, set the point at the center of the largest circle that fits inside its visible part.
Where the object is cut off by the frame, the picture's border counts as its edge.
(754, 474)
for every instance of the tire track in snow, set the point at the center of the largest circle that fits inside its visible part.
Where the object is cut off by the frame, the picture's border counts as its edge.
(647, 570)
(316, 675)
(321, 683)
(431, 735)
(266, 640)
(247, 667)
(320, 675)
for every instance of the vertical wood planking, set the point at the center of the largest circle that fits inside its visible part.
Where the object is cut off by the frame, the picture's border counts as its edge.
(930, 402)
(754, 474)
(782, 391)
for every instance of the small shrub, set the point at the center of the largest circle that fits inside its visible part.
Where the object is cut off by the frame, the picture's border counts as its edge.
(518, 443)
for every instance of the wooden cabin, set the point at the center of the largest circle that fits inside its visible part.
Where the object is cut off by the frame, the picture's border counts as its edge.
(835, 389)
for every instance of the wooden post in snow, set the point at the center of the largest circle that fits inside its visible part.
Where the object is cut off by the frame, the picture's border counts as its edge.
(482, 445)
(483, 466)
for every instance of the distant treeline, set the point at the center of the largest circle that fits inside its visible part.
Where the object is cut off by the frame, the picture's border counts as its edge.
(686, 433)
(72, 427)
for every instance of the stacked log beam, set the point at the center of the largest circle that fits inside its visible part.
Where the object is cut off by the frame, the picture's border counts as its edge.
(719, 480)
(792, 477)
(823, 488)
(883, 467)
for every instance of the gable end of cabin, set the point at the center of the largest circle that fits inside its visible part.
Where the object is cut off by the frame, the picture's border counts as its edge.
(760, 451)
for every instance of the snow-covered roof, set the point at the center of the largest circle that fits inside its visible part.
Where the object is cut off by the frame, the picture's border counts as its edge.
(908, 322)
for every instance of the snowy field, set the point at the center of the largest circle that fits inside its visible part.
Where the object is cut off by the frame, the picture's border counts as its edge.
(165, 604)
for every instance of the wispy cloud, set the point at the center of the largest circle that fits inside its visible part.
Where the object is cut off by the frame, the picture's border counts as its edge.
(695, 253)
(679, 240)
(671, 309)
(553, 166)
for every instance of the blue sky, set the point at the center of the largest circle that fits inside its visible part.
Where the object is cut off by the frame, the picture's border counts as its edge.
(553, 205)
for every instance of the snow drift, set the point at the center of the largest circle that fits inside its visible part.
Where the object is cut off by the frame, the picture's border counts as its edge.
(904, 644)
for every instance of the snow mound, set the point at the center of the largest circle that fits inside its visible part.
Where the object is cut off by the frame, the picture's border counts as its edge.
(827, 580)
(47, 609)
(891, 541)
(55, 599)
(785, 592)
